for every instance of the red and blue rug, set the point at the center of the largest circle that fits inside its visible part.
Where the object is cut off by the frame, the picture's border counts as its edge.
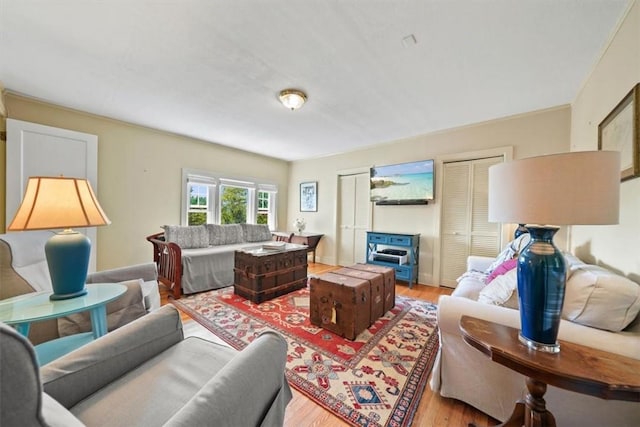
(376, 380)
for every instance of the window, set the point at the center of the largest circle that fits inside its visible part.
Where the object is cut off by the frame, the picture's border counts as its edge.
(216, 200)
(264, 198)
(198, 204)
(234, 204)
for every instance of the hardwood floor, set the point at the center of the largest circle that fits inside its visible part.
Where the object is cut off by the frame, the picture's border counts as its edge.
(433, 410)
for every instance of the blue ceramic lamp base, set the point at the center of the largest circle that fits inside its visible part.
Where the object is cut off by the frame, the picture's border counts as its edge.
(541, 287)
(68, 255)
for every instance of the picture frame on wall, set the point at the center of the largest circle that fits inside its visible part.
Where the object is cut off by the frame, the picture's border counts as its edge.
(309, 196)
(619, 132)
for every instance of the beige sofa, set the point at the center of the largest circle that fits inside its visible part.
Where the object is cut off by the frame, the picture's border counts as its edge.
(199, 258)
(594, 296)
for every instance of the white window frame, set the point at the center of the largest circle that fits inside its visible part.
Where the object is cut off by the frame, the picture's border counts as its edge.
(216, 183)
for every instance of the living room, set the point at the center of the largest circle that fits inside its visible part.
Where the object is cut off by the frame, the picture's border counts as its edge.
(140, 168)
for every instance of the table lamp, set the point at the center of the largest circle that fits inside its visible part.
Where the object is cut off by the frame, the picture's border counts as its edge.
(544, 192)
(62, 203)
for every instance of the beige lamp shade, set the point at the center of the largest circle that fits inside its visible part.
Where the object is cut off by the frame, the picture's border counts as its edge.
(58, 202)
(580, 187)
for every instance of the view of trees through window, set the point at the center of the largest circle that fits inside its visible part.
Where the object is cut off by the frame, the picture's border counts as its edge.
(216, 201)
(233, 205)
(263, 207)
(198, 204)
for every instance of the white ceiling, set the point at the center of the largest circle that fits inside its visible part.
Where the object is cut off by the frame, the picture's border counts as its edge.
(212, 69)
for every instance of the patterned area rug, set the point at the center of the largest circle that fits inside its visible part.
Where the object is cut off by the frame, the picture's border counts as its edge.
(376, 380)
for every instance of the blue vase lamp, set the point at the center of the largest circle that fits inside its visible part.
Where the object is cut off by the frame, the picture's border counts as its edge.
(68, 254)
(62, 203)
(576, 188)
(541, 286)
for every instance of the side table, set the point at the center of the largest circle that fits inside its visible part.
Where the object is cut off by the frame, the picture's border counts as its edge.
(576, 368)
(22, 310)
(309, 239)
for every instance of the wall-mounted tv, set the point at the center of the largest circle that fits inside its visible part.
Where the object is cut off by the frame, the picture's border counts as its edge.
(402, 184)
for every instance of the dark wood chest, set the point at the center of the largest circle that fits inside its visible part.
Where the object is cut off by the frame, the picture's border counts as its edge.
(389, 277)
(340, 304)
(376, 283)
(260, 276)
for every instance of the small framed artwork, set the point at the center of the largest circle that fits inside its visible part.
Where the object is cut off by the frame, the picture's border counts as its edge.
(309, 196)
(619, 132)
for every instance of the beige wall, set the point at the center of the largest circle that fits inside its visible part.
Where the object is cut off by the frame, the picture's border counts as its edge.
(536, 133)
(140, 173)
(615, 246)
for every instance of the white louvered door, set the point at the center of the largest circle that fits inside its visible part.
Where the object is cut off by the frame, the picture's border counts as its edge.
(464, 228)
(354, 217)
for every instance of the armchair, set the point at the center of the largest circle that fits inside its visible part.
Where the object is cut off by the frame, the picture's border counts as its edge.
(145, 374)
(23, 269)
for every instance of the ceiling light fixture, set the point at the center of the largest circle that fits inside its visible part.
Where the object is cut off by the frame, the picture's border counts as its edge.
(292, 98)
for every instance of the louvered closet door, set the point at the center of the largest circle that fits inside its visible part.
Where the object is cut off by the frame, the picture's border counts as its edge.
(464, 228)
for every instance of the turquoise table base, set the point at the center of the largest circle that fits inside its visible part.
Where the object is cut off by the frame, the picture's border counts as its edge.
(25, 309)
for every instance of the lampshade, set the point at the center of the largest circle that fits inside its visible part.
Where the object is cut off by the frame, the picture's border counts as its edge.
(560, 189)
(58, 202)
(581, 187)
(292, 98)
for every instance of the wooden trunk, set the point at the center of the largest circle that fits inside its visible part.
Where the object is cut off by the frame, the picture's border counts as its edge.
(340, 304)
(376, 283)
(389, 275)
(264, 277)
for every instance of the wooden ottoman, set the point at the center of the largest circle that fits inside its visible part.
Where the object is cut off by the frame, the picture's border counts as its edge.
(389, 275)
(340, 304)
(376, 282)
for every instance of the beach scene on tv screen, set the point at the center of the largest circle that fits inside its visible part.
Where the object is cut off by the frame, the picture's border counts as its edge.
(405, 181)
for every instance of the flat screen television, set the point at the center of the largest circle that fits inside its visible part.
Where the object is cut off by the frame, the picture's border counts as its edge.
(402, 184)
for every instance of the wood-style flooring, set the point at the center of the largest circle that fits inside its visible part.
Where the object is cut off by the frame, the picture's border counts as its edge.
(433, 410)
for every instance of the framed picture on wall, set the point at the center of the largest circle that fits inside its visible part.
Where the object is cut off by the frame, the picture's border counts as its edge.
(309, 196)
(619, 132)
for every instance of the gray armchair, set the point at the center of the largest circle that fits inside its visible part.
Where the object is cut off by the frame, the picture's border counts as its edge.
(145, 374)
(23, 269)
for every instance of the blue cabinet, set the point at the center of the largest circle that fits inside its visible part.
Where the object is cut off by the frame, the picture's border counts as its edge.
(396, 250)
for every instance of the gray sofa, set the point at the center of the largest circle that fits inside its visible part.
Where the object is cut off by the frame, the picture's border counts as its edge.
(199, 258)
(145, 374)
(600, 311)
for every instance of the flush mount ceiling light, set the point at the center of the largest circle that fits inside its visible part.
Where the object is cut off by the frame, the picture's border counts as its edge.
(292, 98)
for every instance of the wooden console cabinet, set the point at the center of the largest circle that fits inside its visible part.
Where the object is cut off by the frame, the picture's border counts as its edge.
(407, 266)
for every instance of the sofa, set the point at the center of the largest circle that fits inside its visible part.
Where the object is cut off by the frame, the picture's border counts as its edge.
(196, 258)
(145, 374)
(23, 269)
(600, 311)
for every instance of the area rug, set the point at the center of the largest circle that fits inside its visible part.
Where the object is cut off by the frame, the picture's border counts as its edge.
(375, 380)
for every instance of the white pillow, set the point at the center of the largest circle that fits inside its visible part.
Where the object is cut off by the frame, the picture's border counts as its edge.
(600, 298)
(501, 290)
(512, 249)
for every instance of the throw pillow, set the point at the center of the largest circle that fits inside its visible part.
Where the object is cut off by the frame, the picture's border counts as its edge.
(503, 268)
(187, 237)
(600, 298)
(256, 232)
(510, 251)
(501, 289)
